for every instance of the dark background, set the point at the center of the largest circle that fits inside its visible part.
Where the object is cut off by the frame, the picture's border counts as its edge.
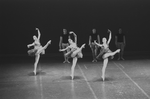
(18, 19)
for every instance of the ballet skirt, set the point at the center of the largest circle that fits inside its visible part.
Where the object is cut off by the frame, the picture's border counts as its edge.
(32, 52)
(71, 55)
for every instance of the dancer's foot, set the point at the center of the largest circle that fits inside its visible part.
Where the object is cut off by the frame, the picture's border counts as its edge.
(118, 58)
(118, 50)
(98, 58)
(94, 60)
(83, 46)
(34, 72)
(122, 58)
(72, 76)
(67, 61)
(103, 78)
(49, 42)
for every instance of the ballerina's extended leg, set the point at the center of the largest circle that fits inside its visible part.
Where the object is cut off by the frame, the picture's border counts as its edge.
(110, 54)
(42, 49)
(78, 51)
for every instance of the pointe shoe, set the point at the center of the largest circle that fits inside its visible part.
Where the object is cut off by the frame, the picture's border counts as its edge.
(118, 50)
(34, 72)
(103, 78)
(94, 60)
(83, 46)
(122, 58)
(119, 58)
(72, 76)
(49, 42)
(65, 61)
(68, 61)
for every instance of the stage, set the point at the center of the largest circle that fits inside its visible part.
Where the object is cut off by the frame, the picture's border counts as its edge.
(128, 79)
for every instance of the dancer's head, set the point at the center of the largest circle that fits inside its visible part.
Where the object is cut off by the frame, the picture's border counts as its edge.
(104, 40)
(120, 31)
(70, 41)
(64, 31)
(94, 31)
(34, 37)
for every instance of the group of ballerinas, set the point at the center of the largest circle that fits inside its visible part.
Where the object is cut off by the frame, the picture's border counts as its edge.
(71, 50)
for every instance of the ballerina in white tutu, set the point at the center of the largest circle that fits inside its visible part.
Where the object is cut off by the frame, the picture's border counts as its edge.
(106, 53)
(75, 52)
(37, 50)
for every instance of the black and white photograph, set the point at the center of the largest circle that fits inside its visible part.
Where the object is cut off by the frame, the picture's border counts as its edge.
(74, 49)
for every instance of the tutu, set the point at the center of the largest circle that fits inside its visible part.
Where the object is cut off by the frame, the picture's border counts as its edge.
(78, 54)
(32, 52)
(71, 54)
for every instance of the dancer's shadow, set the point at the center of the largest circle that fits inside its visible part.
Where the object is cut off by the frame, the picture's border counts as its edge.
(101, 80)
(37, 73)
(69, 78)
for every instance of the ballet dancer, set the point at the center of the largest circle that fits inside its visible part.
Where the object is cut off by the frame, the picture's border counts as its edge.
(106, 53)
(63, 43)
(75, 52)
(37, 50)
(94, 37)
(120, 42)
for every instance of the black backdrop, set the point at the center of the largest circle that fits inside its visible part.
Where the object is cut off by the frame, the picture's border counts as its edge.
(18, 19)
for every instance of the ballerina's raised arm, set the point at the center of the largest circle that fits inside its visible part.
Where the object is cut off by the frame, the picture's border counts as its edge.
(75, 36)
(39, 34)
(109, 37)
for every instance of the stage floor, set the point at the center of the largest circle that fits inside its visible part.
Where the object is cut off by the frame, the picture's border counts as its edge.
(129, 79)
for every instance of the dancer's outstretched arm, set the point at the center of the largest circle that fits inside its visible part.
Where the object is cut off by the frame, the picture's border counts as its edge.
(29, 45)
(64, 49)
(109, 36)
(75, 36)
(98, 44)
(39, 34)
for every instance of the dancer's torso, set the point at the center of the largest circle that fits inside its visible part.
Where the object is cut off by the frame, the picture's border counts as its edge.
(93, 37)
(73, 46)
(65, 38)
(37, 45)
(120, 37)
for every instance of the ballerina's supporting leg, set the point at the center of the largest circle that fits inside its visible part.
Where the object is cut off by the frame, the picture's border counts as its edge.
(37, 57)
(74, 61)
(105, 62)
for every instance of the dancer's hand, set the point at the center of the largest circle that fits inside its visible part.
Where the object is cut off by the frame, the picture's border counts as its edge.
(36, 29)
(84, 45)
(60, 50)
(71, 32)
(109, 31)
(95, 42)
(28, 46)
